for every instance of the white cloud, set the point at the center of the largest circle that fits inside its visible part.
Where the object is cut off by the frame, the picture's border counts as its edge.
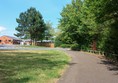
(2, 28)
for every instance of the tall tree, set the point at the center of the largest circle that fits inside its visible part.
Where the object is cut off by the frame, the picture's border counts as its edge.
(50, 31)
(108, 15)
(31, 23)
(22, 25)
(90, 21)
(70, 22)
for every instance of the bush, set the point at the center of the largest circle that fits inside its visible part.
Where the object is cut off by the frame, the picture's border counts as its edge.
(85, 48)
(66, 45)
(57, 43)
(75, 47)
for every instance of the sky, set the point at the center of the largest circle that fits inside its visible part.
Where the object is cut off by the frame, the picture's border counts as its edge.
(11, 9)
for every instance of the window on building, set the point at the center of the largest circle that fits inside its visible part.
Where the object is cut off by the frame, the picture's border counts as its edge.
(9, 40)
(0, 40)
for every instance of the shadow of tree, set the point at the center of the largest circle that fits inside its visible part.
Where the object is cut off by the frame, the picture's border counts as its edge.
(10, 65)
(22, 80)
(72, 64)
(111, 66)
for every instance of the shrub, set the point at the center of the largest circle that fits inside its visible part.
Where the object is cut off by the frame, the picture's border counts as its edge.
(66, 45)
(75, 47)
(57, 43)
(85, 48)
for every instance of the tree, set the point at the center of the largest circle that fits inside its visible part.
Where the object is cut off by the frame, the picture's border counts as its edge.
(49, 32)
(91, 21)
(22, 25)
(109, 17)
(70, 22)
(31, 23)
(73, 24)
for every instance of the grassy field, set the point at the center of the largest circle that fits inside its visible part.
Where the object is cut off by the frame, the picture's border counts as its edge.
(31, 66)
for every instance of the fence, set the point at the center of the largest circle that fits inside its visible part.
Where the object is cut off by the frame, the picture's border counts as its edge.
(96, 52)
(46, 44)
(110, 56)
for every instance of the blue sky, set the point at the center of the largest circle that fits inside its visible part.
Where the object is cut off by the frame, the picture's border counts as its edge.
(10, 10)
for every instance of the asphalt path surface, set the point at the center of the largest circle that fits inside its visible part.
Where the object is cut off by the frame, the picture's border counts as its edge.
(87, 68)
(18, 47)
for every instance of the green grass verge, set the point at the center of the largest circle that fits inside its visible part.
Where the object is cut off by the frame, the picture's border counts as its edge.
(31, 66)
(30, 46)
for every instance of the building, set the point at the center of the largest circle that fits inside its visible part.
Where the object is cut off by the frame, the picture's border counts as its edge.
(8, 40)
(26, 42)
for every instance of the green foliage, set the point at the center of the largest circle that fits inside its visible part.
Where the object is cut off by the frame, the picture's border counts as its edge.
(49, 32)
(83, 22)
(31, 24)
(111, 43)
(70, 22)
(75, 47)
(58, 41)
(65, 45)
(85, 48)
(108, 16)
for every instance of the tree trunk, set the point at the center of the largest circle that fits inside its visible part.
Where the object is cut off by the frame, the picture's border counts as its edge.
(94, 45)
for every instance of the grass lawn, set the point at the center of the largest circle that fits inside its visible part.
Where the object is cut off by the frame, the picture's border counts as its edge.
(31, 66)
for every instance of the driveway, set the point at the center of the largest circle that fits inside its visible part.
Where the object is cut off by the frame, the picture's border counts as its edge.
(86, 68)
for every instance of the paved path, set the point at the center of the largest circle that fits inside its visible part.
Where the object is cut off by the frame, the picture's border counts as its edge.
(86, 68)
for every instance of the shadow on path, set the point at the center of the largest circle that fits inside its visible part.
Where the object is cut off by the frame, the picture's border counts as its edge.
(111, 66)
(87, 68)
